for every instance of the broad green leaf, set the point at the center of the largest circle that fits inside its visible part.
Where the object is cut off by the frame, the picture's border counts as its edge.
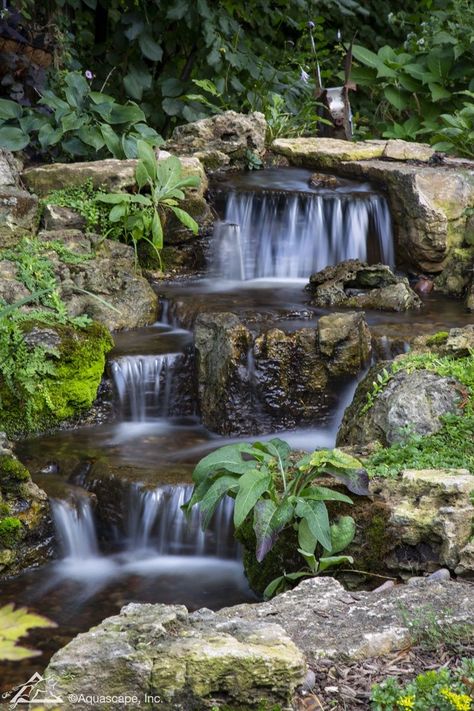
(342, 467)
(365, 56)
(75, 146)
(114, 198)
(207, 85)
(227, 458)
(397, 97)
(149, 48)
(112, 141)
(310, 559)
(186, 219)
(147, 158)
(157, 231)
(13, 139)
(149, 134)
(342, 533)
(15, 624)
(331, 561)
(214, 494)
(141, 175)
(172, 87)
(316, 515)
(48, 136)
(126, 114)
(323, 493)
(251, 487)
(269, 520)
(92, 137)
(10, 109)
(99, 98)
(306, 540)
(438, 92)
(117, 212)
(129, 145)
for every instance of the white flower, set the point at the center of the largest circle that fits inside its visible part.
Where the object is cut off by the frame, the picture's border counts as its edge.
(304, 76)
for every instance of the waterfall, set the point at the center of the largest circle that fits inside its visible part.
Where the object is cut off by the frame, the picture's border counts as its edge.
(75, 528)
(287, 235)
(144, 384)
(154, 520)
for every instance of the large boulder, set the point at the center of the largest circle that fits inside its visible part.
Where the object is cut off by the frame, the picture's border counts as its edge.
(458, 274)
(252, 383)
(160, 657)
(430, 205)
(26, 530)
(230, 134)
(408, 403)
(355, 284)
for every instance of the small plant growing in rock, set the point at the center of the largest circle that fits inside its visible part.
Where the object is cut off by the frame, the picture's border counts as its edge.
(144, 215)
(279, 494)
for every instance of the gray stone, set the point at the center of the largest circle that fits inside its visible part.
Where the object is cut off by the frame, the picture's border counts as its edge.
(345, 341)
(409, 403)
(18, 214)
(355, 284)
(326, 621)
(9, 168)
(457, 274)
(228, 133)
(460, 341)
(396, 149)
(62, 218)
(185, 662)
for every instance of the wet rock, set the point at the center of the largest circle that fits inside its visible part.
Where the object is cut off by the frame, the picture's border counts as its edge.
(457, 273)
(253, 382)
(230, 133)
(355, 284)
(430, 521)
(470, 298)
(324, 180)
(345, 340)
(460, 341)
(18, 214)
(184, 661)
(213, 159)
(62, 218)
(465, 566)
(326, 621)
(424, 285)
(26, 531)
(408, 404)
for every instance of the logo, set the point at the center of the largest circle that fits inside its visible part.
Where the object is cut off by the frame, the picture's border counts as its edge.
(32, 691)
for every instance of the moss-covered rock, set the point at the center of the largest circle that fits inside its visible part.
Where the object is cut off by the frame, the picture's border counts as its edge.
(25, 521)
(69, 390)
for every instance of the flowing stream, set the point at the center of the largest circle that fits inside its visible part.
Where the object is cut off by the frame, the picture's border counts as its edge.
(117, 488)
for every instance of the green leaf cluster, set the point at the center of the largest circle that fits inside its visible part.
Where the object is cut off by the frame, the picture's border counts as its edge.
(161, 186)
(278, 493)
(75, 123)
(443, 689)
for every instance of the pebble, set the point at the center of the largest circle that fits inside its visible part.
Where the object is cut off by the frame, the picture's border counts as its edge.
(387, 585)
(439, 575)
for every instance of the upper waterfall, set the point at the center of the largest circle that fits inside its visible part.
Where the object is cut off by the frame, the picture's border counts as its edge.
(275, 233)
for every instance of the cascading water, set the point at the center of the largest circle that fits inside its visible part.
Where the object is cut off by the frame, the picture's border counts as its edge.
(75, 528)
(277, 234)
(156, 522)
(144, 384)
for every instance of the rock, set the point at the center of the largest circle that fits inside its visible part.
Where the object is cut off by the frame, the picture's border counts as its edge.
(345, 340)
(323, 180)
(465, 566)
(79, 363)
(255, 383)
(470, 298)
(18, 214)
(326, 621)
(183, 661)
(326, 152)
(429, 205)
(430, 521)
(424, 285)
(11, 289)
(112, 174)
(457, 274)
(396, 149)
(9, 168)
(26, 530)
(460, 342)
(229, 133)
(355, 284)
(62, 218)
(409, 403)
(439, 575)
(213, 159)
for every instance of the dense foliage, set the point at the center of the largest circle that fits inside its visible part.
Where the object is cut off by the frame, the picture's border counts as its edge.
(278, 493)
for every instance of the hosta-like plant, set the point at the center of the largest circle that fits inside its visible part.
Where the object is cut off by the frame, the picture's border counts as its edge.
(277, 493)
(143, 214)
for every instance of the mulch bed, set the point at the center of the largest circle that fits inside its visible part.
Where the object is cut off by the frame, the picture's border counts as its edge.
(346, 686)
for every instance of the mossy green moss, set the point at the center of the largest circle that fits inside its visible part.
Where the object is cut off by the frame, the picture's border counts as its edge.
(10, 531)
(12, 472)
(437, 339)
(69, 390)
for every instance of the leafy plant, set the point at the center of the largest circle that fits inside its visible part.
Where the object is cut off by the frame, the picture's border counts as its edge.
(76, 122)
(84, 199)
(279, 494)
(444, 690)
(143, 215)
(456, 133)
(15, 624)
(378, 386)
